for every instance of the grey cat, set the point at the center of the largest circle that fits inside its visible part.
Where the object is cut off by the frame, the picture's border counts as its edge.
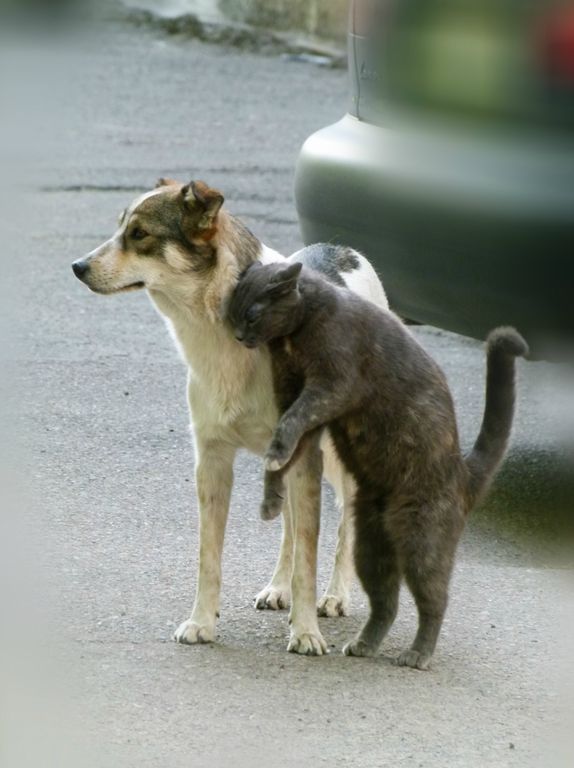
(341, 362)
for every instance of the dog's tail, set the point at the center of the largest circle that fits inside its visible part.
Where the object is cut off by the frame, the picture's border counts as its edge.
(502, 347)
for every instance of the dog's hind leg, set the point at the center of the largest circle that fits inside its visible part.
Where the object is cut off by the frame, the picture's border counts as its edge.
(336, 598)
(214, 478)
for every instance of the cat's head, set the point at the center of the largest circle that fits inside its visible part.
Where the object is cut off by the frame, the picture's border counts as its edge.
(263, 305)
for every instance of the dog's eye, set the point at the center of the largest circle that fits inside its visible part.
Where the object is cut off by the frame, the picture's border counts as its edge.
(138, 233)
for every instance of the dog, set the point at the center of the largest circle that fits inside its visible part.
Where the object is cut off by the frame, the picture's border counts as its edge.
(180, 244)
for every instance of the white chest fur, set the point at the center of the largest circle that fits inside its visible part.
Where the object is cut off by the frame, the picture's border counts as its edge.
(230, 388)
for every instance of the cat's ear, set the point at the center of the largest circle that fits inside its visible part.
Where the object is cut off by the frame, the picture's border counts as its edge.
(285, 280)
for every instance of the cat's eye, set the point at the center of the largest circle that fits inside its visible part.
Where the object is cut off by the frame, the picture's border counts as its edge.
(252, 316)
(138, 234)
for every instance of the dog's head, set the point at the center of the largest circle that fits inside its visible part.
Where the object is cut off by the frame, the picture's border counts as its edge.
(173, 232)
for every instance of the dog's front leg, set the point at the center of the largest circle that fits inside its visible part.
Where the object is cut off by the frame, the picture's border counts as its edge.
(304, 483)
(214, 479)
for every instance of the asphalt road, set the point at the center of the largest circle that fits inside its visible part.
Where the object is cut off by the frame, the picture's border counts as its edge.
(106, 467)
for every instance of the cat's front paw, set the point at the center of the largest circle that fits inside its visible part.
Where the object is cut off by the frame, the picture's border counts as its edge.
(271, 507)
(277, 456)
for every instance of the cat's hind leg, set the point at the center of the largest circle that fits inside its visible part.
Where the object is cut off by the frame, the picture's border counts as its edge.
(428, 557)
(430, 591)
(378, 569)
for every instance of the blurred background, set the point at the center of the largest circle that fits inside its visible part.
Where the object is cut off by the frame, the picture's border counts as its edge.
(438, 138)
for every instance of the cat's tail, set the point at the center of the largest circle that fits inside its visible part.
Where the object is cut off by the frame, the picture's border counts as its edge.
(503, 345)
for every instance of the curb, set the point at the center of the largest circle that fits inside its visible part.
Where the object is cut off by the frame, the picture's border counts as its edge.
(292, 46)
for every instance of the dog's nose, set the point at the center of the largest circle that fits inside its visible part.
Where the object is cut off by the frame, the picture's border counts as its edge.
(80, 268)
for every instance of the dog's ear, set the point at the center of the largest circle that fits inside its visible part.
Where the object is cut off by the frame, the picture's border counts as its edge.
(204, 203)
(285, 280)
(164, 182)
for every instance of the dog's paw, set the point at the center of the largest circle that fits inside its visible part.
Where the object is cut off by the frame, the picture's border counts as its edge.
(414, 659)
(271, 508)
(333, 606)
(307, 644)
(358, 647)
(192, 633)
(273, 598)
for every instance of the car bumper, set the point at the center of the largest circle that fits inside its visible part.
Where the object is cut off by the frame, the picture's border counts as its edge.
(466, 234)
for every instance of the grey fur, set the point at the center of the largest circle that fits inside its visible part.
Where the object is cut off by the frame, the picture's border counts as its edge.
(343, 363)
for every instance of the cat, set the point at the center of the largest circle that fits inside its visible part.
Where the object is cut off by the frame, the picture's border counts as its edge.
(342, 363)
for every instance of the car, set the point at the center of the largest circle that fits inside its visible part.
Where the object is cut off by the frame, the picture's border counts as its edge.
(453, 169)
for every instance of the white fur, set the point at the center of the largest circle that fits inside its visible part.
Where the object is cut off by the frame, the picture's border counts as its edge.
(365, 282)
